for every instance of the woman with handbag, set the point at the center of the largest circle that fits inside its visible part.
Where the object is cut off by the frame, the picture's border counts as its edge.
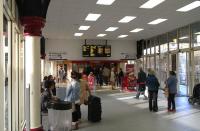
(85, 90)
(171, 85)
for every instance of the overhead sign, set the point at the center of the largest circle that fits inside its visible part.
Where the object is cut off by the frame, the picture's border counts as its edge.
(57, 56)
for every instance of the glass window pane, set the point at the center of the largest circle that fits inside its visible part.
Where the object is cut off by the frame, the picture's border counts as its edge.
(172, 38)
(156, 43)
(144, 51)
(152, 47)
(184, 40)
(6, 51)
(148, 51)
(196, 67)
(195, 29)
(163, 43)
(148, 47)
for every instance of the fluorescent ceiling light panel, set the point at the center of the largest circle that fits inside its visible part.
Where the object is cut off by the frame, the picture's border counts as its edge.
(112, 28)
(84, 27)
(137, 30)
(157, 21)
(198, 38)
(122, 36)
(184, 37)
(151, 4)
(189, 7)
(105, 2)
(101, 35)
(78, 34)
(92, 17)
(197, 33)
(126, 19)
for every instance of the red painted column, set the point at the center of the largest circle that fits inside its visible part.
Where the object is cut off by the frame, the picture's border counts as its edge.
(32, 33)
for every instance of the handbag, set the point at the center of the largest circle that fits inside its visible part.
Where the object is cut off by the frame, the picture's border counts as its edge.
(85, 102)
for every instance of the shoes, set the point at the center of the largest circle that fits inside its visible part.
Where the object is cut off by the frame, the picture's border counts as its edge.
(171, 110)
(145, 98)
(75, 127)
(155, 110)
(136, 97)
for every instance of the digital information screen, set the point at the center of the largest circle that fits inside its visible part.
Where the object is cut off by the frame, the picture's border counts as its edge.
(96, 51)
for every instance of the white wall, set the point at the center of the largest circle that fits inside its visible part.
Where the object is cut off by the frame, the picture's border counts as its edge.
(73, 48)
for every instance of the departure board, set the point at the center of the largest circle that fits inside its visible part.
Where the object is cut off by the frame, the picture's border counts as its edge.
(96, 51)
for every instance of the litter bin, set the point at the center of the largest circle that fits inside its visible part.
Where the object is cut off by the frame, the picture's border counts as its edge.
(60, 116)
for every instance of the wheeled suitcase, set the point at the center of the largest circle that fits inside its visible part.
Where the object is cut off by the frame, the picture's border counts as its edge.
(94, 108)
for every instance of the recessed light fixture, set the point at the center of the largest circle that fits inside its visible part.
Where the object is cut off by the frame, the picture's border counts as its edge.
(157, 21)
(105, 2)
(84, 27)
(101, 35)
(184, 37)
(122, 36)
(126, 19)
(190, 6)
(78, 34)
(112, 28)
(137, 30)
(92, 17)
(151, 4)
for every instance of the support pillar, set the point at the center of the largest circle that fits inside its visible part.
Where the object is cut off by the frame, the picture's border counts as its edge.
(32, 32)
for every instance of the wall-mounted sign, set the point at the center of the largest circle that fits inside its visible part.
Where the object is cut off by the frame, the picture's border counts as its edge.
(57, 56)
(96, 51)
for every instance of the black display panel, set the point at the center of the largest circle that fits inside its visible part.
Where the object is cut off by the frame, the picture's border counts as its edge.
(96, 51)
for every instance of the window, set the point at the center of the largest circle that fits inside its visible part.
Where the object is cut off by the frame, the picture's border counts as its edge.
(156, 43)
(148, 47)
(6, 67)
(184, 39)
(195, 30)
(172, 39)
(152, 46)
(163, 43)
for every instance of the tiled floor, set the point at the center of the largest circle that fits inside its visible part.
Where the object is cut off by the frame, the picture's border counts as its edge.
(121, 112)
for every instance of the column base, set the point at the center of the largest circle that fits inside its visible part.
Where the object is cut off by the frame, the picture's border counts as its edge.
(35, 129)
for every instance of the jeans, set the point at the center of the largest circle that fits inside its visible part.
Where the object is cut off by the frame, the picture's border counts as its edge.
(76, 115)
(171, 101)
(153, 96)
(141, 90)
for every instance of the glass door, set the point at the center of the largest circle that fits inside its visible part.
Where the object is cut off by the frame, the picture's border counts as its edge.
(183, 77)
(172, 62)
(196, 67)
(163, 68)
(152, 62)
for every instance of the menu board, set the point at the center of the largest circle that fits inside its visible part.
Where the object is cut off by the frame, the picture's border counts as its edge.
(96, 51)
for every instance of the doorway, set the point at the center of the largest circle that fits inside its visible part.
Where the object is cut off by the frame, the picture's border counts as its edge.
(183, 78)
(172, 62)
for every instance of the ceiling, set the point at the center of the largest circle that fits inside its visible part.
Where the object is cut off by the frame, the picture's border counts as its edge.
(65, 16)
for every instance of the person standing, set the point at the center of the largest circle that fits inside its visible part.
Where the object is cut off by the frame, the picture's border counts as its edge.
(120, 77)
(61, 74)
(91, 81)
(73, 96)
(84, 90)
(141, 81)
(171, 85)
(153, 85)
(112, 79)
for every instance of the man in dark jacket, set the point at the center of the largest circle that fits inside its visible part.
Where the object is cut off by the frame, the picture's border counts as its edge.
(141, 81)
(153, 86)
